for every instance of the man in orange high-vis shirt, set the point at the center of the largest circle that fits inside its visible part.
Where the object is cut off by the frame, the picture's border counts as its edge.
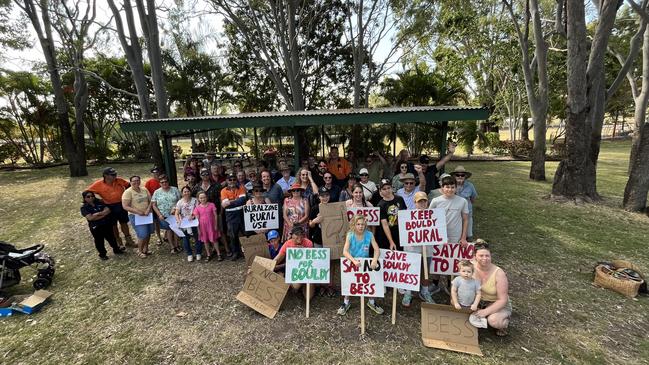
(338, 166)
(111, 188)
(233, 198)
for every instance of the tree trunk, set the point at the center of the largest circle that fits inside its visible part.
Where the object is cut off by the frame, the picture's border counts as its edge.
(537, 170)
(525, 128)
(635, 192)
(575, 176)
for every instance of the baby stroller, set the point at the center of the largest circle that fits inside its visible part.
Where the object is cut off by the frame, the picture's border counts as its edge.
(13, 259)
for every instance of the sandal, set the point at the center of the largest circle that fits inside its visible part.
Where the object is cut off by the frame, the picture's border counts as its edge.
(219, 258)
(141, 255)
(502, 332)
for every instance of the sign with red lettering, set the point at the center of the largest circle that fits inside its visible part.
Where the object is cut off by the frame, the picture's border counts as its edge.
(445, 258)
(422, 227)
(361, 280)
(401, 270)
(371, 214)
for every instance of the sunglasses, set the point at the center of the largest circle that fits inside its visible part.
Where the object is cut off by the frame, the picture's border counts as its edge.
(364, 174)
(403, 167)
(327, 177)
(408, 183)
(164, 182)
(232, 179)
(460, 175)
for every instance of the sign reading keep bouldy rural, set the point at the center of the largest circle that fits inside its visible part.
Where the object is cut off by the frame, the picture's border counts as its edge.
(425, 227)
(445, 327)
(371, 214)
(401, 270)
(263, 290)
(361, 280)
(308, 265)
(261, 216)
(445, 258)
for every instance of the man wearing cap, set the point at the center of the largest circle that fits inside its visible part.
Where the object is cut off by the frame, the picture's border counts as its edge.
(338, 165)
(286, 180)
(430, 170)
(369, 187)
(211, 188)
(233, 197)
(387, 236)
(111, 188)
(409, 189)
(315, 219)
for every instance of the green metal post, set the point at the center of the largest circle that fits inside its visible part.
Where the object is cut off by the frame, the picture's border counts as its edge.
(442, 143)
(168, 158)
(296, 146)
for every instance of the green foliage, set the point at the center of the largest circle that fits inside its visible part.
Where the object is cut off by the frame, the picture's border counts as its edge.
(13, 30)
(466, 132)
(490, 143)
(11, 152)
(519, 148)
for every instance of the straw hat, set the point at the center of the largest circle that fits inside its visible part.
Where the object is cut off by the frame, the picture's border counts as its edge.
(461, 170)
(408, 176)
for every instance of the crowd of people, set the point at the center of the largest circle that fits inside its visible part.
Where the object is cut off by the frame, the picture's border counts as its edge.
(216, 195)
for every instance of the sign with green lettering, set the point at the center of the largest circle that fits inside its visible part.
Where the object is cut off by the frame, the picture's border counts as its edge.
(308, 265)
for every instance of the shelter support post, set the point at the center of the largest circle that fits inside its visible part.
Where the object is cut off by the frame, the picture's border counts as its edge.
(296, 147)
(442, 143)
(394, 139)
(168, 158)
(256, 144)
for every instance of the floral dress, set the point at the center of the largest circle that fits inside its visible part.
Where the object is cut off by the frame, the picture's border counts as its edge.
(295, 211)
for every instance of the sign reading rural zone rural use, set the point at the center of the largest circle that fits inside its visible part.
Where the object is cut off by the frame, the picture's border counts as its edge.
(308, 265)
(445, 327)
(361, 280)
(261, 216)
(422, 227)
(445, 258)
(371, 214)
(263, 290)
(401, 270)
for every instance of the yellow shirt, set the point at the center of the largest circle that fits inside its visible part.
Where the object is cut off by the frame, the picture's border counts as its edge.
(139, 200)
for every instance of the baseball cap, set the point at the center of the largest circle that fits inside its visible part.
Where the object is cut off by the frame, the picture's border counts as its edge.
(110, 171)
(363, 171)
(384, 182)
(205, 172)
(155, 169)
(323, 190)
(272, 235)
(420, 195)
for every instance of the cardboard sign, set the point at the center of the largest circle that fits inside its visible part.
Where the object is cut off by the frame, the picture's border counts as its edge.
(371, 214)
(257, 217)
(425, 227)
(445, 258)
(253, 246)
(335, 226)
(263, 290)
(401, 270)
(265, 263)
(32, 303)
(361, 280)
(308, 265)
(445, 327)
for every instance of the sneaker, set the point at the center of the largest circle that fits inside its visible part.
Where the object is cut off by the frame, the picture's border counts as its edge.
(209, 257)
(198, 257)
(229, 254)
(401, 291)
(103, 257)
(374, 307)
(119, 251)
(190, 258)
(426, 297)
(434, 289)
(406, 301)
(343, 309)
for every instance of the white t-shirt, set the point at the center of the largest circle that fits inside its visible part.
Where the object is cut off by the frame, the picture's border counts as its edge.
(454, 208)
(368, 189)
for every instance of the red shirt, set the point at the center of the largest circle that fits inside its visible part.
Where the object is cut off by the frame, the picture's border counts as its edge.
(152, 185)
(290, 243)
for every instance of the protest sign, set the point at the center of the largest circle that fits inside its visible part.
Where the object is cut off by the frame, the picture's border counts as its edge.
(308, 265)
(401, 270)
(258, 217)
(445, 327)
(425, 227)
(361, 280)
(254, 245)
(445, 258)
(335, 226)
(188, 223)
(268, 264)
(263, 290)
(371, 214)
(173, 225)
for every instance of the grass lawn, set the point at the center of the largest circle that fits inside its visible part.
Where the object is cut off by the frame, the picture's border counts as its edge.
(125, 310)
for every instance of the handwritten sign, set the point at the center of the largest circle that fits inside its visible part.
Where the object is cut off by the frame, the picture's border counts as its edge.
(335, 226)
(445, 258)
(425, 227)
(257, 217)
(308, 265)
(361, 280)
(401, 270)
(263, 290)
(445, 327)
(254, 246)
(371, 214)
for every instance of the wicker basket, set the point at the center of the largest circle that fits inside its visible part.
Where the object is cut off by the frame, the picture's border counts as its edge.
(628, 288)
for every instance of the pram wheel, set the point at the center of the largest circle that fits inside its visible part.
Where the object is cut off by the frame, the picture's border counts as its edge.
(41, 283)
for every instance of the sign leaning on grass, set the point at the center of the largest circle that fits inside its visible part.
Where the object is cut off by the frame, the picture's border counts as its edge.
(422, 227)
(261, 216)
(308, 265)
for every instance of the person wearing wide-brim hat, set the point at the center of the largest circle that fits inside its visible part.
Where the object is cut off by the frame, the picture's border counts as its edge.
(465, 189)
(295, 211)
(286, 180)
(410, 187)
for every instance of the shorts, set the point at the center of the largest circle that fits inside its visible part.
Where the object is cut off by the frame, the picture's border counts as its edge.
(117, 213)
(163, 223)
(142, 231)
(507, 309)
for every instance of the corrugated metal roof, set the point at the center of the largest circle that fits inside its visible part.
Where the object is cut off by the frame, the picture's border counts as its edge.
(307, 113)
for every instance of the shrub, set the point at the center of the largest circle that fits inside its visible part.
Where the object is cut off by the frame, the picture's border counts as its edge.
(490, 142)
(519, 148)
